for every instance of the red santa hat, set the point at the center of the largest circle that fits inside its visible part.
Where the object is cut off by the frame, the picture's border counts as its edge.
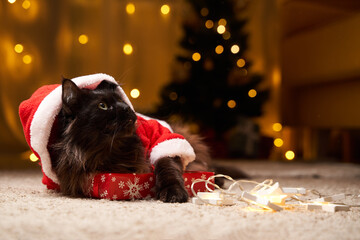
(38, 113)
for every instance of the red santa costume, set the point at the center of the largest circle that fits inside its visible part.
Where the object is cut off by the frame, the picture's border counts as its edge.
(38, 116)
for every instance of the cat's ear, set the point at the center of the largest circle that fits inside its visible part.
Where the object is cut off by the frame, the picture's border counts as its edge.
(70, 96)
(106, 85)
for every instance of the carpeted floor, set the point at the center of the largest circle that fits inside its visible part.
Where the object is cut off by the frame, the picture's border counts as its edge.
(29, 211)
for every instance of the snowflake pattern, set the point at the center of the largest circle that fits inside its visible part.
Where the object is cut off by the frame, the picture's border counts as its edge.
(203, 176)
(113, 179)
(134, 189)
(146, 185)
(102, 178)
(151, 179)
(114, 197)
(121, 184)
(104, 194)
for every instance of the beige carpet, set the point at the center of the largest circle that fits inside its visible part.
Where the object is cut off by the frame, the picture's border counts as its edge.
(29, 211)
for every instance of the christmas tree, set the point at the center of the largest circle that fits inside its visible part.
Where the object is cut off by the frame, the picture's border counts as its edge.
(211, 85)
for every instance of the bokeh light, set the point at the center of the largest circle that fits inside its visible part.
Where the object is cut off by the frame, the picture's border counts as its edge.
(231, 104)
(27, 59)
(235, 49)
(209, 24)
(135, 93)
(33, 157)
(128, 49)
(165, 9)
(278, 142)
(83, 39)
(221, 29)
(240, 63)
(277, 127)
(196, 56)
(289, 155)
(130, 8)
(252, 93)
(219, 49)
(19, 48)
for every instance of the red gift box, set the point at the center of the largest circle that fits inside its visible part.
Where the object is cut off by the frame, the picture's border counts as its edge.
(119, 186)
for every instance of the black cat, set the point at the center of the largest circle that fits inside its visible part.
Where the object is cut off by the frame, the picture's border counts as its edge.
(97, 133)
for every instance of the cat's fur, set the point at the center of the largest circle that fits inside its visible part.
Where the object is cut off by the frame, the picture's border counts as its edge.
(96, 133)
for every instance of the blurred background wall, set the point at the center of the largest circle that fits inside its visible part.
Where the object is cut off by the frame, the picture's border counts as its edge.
(306, 51)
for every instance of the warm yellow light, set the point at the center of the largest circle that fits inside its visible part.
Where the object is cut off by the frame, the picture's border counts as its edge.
(278, 142)
(277, 127)
(11, 1)
(19, 48)
(252, 93)
(26, 4)
(165, 9)
(128, 49)
(226, 35)
(130, 8)
(173, 96)
(204, 12)
(27, 59)
(231, 104)
(290, 155)
(240, 63)
(33, 157)
(196, 56)
(222, 22)
(219, 49)
(235, 49)
(209, 24)
(135, 93)
(83, 39)
(221, 29)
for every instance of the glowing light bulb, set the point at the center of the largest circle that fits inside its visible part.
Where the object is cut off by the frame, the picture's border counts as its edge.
(11, 1)
(165, 9)
(209, 24)
(219, 49)
(196, 56)
(277, 127)
(235, 49)
(19, 48)
(221, 29)
(226, 36)
(26, 4)
(128, 49)
(222, 22)
(290, 155)
(278, 142)
(231, 104)
(240, 63)
(27, 59)
(83, 39)
(135, 93)
(130, 8)
(252, 93)
(33, 157)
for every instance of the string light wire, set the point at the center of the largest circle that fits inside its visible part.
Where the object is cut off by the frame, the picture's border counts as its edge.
(218, 196)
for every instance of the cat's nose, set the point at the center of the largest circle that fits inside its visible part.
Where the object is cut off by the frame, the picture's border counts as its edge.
(123, 107)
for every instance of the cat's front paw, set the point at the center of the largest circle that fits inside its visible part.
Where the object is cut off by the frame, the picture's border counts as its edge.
(173, 194)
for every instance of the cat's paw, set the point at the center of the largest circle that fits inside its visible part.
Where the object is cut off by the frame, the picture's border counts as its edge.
(173, 194)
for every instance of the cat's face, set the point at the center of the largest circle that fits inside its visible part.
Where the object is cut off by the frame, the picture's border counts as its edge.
(101, 109)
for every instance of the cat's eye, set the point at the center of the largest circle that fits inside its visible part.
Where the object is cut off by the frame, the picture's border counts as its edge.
(103, 106)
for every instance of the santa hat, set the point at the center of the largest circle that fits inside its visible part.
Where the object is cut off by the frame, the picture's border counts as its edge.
(39, 113)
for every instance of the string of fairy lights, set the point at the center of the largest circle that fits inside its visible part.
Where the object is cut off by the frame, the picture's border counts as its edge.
(219, 26)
